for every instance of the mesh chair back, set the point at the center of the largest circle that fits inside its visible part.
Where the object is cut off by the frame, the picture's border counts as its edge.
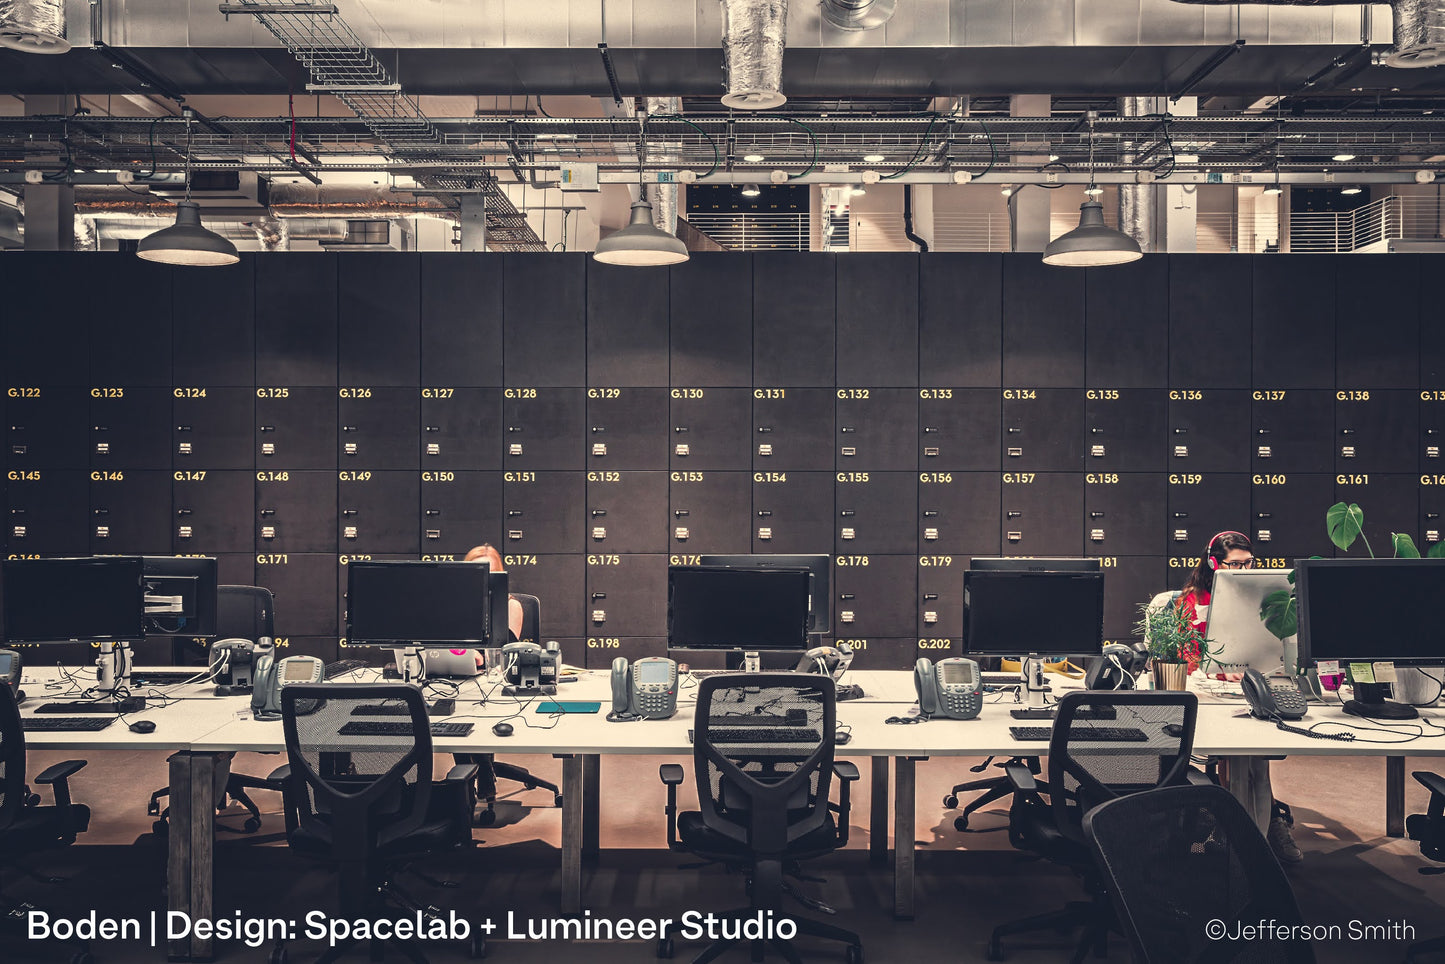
(531, 617)
(1086, 770)
(12, 759)
(350, 787)
(1181, 857)
(245, 612)
(763, 755)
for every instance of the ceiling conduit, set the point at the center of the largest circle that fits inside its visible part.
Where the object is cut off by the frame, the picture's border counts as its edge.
(663, 196)
(1136, 201)
(753, 36)
(34, 26)
(1419, 28)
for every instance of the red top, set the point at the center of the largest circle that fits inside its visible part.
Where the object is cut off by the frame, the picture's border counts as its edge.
(1189, 604)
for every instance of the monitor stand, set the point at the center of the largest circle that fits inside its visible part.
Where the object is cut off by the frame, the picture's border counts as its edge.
(1372, 701)
(1034, 685)
(113, 669)
(412, 669)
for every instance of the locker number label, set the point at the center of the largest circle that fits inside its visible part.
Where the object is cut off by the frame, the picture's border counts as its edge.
(1186, 395)
(935, 478)
(273, 393)
(444, 557)
(1432, 480)
(31, 392)
(438, 392)
(1352, 479)
(1102, 478)
(197, 476)
(272, 559)
(189, 392)
(604, 559)
(943, 393)
(851, 393)
(1018, 478)
(935, 643)
(770, 393)
(852, 560)
(852, 476)
(686, 476)
(521, 559)
(279, 476)
(438, 476)
(353, 393)
(353, 557)
(935, 562)
(687, 393)
(354, 475)
(1278, 563)
(1183, 562)
(684, 560)
(1430, 395)
(1102, 394)
(519, 477)
(1181, 478)
(1270, 480)
(855, 643)
(606, 476)
(770, 476)
(604, 393)
(1353, 396)
(604, 642)
(107, 393)
(23, 475)
(1020, 393)
(1269, 395)
(519, 393)
(114, 475)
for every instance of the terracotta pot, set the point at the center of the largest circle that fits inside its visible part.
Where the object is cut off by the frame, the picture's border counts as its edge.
(1170, 676)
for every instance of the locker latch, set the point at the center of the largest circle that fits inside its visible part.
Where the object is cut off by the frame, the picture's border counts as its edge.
(1347, 451)
(1181, 451)
(930, 534)
(514, 449)
(433, 448)
(18, 532)
(680, 533)
(1096, 535)
(102, 448)
(1432, 535)
(268, 448)
(434, 533)
(183, 448)
(848, 534)
(1015, 537)
(1097, 451)
(1263, 535)
(849, 451)
(1015, 451)
(1432, 451)
(599, 533)
(184, 532)
(930, 451)
(349, 532)
(765, 448)
(268, 532)
(846, 616)
(765, 533)
(1181, 535)
(17, 450)
(349, 448)
(599, 448)
(102, 532)
(930, 617)
(599, 616)
(683, 449)
(514, 535)
(1265, 451)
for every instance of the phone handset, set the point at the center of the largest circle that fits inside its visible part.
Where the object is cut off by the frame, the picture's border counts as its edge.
(265, 690)
(925, 681)
(621, 691)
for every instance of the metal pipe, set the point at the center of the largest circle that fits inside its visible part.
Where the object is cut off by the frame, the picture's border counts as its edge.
(753, 36)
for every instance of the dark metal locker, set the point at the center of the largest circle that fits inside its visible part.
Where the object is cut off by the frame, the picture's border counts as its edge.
(304, 585)
(1123, 511)
(875, 513)
(875, 597)
(1130, 581)
(47, 512)
(49, 427)
(958, 513)
(709, 512)
(794, 319)
(1378, 324)
(1043, 331)
(1210, 321)
(1209, 430)
(130, 427)
(960, 319)
(959, 429)
(214, 326)
(296, 323)
(627, 428)
(1376, 430)
(378, 319)
(545, 512)
(296, 428)
(1294, 431)
(545, 307)
(711, 429)
(560, 584)
(711, 320)
(544, 428)
(378, 428)
(1202, 504)
(792, 511)
(877, 327)
(793, 428)
(940, 604)
(1127, 325)
(377, 511)
(43, 346)
(1289, 514)
(212, 511)
(626, 595)
(627, 326)
(295, 511)
(461, 319)
(130, 335)
(1391, 503)
(460, 510)
(1042, 512)
(1043, 430)
(461, 429)
(213, 428)
(130, 512)
(1294, 321)
(626, 511)
(1125, 429)
(876, 428)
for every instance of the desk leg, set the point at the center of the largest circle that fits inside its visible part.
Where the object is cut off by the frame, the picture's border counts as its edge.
(572, 833)
(1394, 796)
(189, 872)
(878, 813)
(591, 805)
(904, 787)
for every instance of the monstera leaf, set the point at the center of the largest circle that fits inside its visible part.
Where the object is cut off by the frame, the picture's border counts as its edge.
(1278, 612)
(1345, 524)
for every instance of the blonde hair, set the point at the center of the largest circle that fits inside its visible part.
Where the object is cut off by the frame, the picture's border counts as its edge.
(486, 552)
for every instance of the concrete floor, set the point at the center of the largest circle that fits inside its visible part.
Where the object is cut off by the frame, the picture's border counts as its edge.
(966, 881)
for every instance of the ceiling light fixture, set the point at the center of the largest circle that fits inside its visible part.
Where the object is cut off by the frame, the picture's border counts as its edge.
(751, 190)
(873, 158)
(754, 158)
(1351, 189)
(641, 243)
(1093, 190)
(1274, 188)
(1092, 243)
(1344, 157)
(857, 190)
(187, 242)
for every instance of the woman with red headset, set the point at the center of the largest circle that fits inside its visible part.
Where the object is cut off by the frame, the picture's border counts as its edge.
(1232, 550)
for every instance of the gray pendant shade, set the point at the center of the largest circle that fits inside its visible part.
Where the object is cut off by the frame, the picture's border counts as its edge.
(1092, 243)
(641, 243)
(186, 242)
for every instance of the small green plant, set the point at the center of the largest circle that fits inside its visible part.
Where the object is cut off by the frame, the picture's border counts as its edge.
(1169, 636)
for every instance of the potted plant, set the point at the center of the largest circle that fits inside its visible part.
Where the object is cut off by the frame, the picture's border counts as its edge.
(1175, 646)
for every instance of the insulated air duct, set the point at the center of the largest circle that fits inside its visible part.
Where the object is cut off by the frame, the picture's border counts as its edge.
(858, 14)
(753, 36)
(1419, 28)
(663, 196)
(1136, 201)
(34, 26)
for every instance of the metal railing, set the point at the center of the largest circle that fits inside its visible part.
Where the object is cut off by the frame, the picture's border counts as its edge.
(742, 231)
(1387, 219)
(1224, 232)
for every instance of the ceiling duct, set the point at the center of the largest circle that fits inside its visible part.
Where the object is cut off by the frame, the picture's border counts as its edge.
(663, 196)
(1136, 201)
(273, 235)
(858, 14)
(34, 26)
(1419, 27)
(753, 36)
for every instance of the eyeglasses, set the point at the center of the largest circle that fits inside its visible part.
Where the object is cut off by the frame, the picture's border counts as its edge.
(1238, 564)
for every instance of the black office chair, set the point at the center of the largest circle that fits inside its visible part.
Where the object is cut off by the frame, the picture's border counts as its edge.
(1177, 860)
(1429, 829)
(489, 769)
(988, 789)
(242, 612)
(366, 803)
(763, 785)
(1085, 770)
(26, 827)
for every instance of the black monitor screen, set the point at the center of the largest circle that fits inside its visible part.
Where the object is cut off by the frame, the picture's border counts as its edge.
(1368, 610)
(73, 600)
(397, 603)
(819, 565)
(711, 607)
(1019, 613)
(184, 583)
(1035, 564)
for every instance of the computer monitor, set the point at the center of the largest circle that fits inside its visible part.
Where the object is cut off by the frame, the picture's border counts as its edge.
(819, 566)
(97, 599)
(1371, 611)
(719, 607)
(180, 595)
(1022, 613)
(1034, 564)
(1234, 635)
(404, 603)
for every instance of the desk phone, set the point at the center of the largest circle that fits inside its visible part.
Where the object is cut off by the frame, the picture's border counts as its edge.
(646, 689)
(953, 688)
(272, 675)
(11, 664)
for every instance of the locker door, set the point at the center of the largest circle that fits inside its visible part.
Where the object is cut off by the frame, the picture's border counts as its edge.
(296, 321)
(626, 327)
(461, 319)
(49, 428)
(213, 511)
(1125, 429)
(1432, 430)
(1126, 325)
(296, 512)
(560, 583)
(1431, 500)
(794, 319)
(378, 511)
(958, 512)
(960, 319)
(378, 428)
(213, 428)
(214, 332)
(710, 512)
(1209, 431)
(792, 511)
(1043, 430)
(545, 307)
(1288, 512)
(544, 511)
(129, 338)
(875, 513)
(626, 511)
(1128, 582)
(1391, 503)
(627, 428)
(878, 320)
(304, 585)
(379, 319)
(56, 352)
(940, 605)
(1377, 325)
(460, 510)
(711, 321)
(626, 595)
(1375, 431)
(711, 428)
(296, 428)
(1124, 511)
(545, 428)
(959, 429)
(876, 428)
(793, 428)
(1041, 513)
(130, 512)
(461, 428)
(1294, 321)
(48, 512)
(1201, 505)
(130, 427)
(602, 650)
(1209, 320)
(1043, 337)
(876, 600)
(1294, 431)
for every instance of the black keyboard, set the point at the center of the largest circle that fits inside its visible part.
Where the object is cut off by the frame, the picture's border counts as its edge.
(1093, 734)
(341, 667)
(167, 678)
(390, 728)
(381, 709)
(797, 717)
(764, 734)
(1082, 713)
(61, 724)
(131, 704)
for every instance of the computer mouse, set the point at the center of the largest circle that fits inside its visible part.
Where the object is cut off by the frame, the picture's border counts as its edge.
(1173, 729)
(143, 726)
(502, 729)
(842, 737)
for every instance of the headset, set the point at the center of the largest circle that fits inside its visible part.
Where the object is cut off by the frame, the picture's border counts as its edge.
(1209, 549)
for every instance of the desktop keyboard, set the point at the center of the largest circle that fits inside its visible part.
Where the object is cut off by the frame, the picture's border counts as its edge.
(397, 728)
(168, 678)
(1082, 713)
(798, 717)
(762, 734)
(1094, 734)
(131, 704)
(62, 724)
(1000, 679)
(381, 709)
(341, 667)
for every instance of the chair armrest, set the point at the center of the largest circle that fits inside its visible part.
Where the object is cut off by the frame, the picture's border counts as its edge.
(671, 774)
(1431, 781)
(462, 772)
(60, 772)
(1021, 777)
(1197, 778)
(58, 777)
(280, 775)
(846, 772)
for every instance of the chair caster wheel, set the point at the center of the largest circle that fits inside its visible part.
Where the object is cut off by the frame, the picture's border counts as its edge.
(665, 948)
(487, 817)
(251, 825)
(278, 956)
(950, 801)
(557, 801)
(477, 947)
(960, 823)
(855, 954)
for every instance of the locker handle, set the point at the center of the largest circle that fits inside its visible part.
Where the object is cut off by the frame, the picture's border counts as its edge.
(183, 428)
(348, 428)
(1262, 431)
(1181, 431)
(183, 512)
(847, 513)
(1096, 431)
(266, 512)
(764, 513)
(433, 428)
(348, 513)
(1096, 514)
(1264, 515)
(514, 428)
(846, 596)
(1014, 430)
(1181, 515)
(680, 428)
(268, 428)
(100, 428)
(930, 596)
(765, 428)
(100, 512)
(929, 430)
(1432, 515)
(846, 429)
(513, 513)
(1347, 431)
(930, 513)
(1014, 514)
(598, 595)
(431, 512)
(681, 513)
(598, 428)
(598, 513)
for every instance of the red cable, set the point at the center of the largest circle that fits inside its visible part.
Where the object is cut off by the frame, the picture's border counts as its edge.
(291, 106)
